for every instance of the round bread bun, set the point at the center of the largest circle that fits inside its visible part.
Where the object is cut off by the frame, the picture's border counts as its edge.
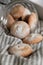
(17, 11)
(33, 38)
(25, 13)
(10, 21)
(32, 21)
(20, 29)
(20, 50)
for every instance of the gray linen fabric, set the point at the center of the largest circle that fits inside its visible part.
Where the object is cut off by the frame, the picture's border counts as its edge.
(35, 59)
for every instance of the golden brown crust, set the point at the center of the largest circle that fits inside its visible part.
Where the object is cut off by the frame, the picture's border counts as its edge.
(10, 21)
(21, 50)
(17, 11)
(30, 40)
(27, 51)
(32, 21)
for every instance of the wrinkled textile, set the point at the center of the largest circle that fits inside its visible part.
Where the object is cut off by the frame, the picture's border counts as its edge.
(35, 59)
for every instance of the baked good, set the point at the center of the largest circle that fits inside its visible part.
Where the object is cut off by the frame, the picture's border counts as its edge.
(10, 21)
(33, 38)
(25, 13)
(20, 50)
(32, 21)
(17, 11)
(20, 29)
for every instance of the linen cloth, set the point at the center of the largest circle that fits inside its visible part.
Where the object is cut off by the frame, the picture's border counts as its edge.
(35, 59)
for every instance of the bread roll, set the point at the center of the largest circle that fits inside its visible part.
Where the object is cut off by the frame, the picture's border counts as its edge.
(33, 38)
(26, 12)
(20, 29)
(20, 50)
(10, 21)
(32, 21)
(17, 11)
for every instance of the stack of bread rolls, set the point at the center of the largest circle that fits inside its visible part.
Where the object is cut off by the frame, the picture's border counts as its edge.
(21, 21)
